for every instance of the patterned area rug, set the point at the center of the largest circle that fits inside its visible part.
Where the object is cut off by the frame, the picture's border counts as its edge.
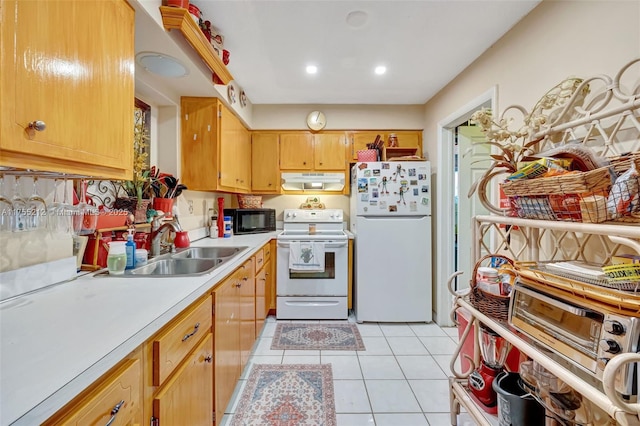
(337, 337)
(287, 395)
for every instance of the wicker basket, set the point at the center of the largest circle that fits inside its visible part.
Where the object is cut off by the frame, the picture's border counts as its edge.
(249, 201)
(575, 197)
(492, 305)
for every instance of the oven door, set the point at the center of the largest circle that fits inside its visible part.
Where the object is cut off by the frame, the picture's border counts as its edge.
(333, 281)
(565, 327)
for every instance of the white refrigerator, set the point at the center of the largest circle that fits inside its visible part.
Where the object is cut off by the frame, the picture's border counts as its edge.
(390, 215)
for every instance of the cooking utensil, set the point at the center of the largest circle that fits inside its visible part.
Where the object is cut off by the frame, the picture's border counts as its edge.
(179, 190)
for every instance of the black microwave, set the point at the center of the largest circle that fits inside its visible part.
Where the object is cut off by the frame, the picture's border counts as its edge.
(252, 221)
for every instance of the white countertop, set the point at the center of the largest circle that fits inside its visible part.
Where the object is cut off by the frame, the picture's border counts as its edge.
(57, 341)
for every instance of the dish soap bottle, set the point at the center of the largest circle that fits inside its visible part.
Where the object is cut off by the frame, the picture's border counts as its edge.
(130, 249)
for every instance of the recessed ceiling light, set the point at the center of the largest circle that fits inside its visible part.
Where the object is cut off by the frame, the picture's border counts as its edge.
(380, 69)
(312, 69)
(357, 18)
(164, 65)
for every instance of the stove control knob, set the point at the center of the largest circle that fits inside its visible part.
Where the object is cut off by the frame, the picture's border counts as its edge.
(614, 327)
(611, 346)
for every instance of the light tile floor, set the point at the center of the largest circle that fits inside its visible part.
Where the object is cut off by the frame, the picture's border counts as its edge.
(399, 380)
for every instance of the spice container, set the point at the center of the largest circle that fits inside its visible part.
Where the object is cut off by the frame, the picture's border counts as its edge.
(141, 257)
(228, 227)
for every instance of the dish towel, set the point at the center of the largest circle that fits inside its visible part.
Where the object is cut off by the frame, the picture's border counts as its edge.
(306, 256)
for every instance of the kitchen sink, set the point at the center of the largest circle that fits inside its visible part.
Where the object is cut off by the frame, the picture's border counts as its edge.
(208, 253)
(189, 262)
(172, 267)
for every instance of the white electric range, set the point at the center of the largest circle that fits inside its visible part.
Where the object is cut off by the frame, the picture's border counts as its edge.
(319, 293)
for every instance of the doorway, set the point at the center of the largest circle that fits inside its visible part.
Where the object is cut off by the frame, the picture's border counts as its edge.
(451, 257)
(471, 160)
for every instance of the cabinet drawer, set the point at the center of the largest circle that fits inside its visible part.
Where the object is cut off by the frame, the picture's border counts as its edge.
(246, 271)
(118, 398)
(259, 258)
(179, 338)
(266, 252)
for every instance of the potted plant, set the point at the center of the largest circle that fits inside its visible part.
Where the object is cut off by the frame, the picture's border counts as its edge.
(135, 195)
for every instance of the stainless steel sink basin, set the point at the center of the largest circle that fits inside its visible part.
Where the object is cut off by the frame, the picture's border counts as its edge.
(208, 252)
(172, 267)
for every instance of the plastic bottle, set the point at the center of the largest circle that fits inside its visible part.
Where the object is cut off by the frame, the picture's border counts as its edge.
(117, 258)
(228, 227)
(130, 250)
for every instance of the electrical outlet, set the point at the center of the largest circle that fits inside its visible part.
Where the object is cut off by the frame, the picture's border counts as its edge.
(190, 203)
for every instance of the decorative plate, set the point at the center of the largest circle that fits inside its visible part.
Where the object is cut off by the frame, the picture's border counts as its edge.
(231, 94)
(243, 99)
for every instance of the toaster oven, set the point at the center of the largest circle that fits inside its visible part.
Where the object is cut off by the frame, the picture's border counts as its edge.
(586, 333)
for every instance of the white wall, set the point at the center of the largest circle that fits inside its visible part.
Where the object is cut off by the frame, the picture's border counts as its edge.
(340, 117)
(556, 40)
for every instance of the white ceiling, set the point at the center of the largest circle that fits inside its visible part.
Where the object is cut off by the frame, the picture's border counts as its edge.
(423, 43)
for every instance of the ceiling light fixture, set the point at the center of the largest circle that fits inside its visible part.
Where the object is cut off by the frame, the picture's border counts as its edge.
(312, 69)
(357, 18)
(380, 69)
(161, 64)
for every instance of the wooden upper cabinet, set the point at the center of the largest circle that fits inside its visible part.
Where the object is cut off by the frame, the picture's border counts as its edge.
(216, 147)
(330, 151)
(296, 151)
(75, 82)
(406, 139)
(359, 140)
(265, 173)
(199, 139)
(235, 153)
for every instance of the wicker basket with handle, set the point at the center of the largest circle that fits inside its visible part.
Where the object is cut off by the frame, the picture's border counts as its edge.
(492, 305)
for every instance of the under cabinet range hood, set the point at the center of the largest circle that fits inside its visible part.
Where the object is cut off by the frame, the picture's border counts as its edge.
(313, 181)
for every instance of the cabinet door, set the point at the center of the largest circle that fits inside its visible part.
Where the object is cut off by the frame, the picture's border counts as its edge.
(359, 140)
(243, 161)
(271, 295)
(247, 295)
(330, 151)
(187, 398)
(265, 170)
(230, 148)
(226, 342)
(296, 151)
(199, 135)
(59, 69)
(263, 289)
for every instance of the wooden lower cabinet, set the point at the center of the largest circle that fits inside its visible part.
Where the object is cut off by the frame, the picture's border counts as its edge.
(187, 398)
(185, 373)
(271, 292)
(247, 310)
(117, 397)
(226, 325)
(179, 369)
(234, 330)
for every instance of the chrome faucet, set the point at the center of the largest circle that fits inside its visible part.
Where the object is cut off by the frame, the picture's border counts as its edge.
(158, 229)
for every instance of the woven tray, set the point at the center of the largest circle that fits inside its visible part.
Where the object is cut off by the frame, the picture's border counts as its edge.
(597, 180)
(492, 305)
(616, 299)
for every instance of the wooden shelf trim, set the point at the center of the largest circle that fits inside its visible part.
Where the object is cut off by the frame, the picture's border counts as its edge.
(177, 18)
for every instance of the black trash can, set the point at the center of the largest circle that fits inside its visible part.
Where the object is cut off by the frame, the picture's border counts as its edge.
(516, 407)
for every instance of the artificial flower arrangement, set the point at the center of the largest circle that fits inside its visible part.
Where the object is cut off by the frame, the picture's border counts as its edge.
(515, 146)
